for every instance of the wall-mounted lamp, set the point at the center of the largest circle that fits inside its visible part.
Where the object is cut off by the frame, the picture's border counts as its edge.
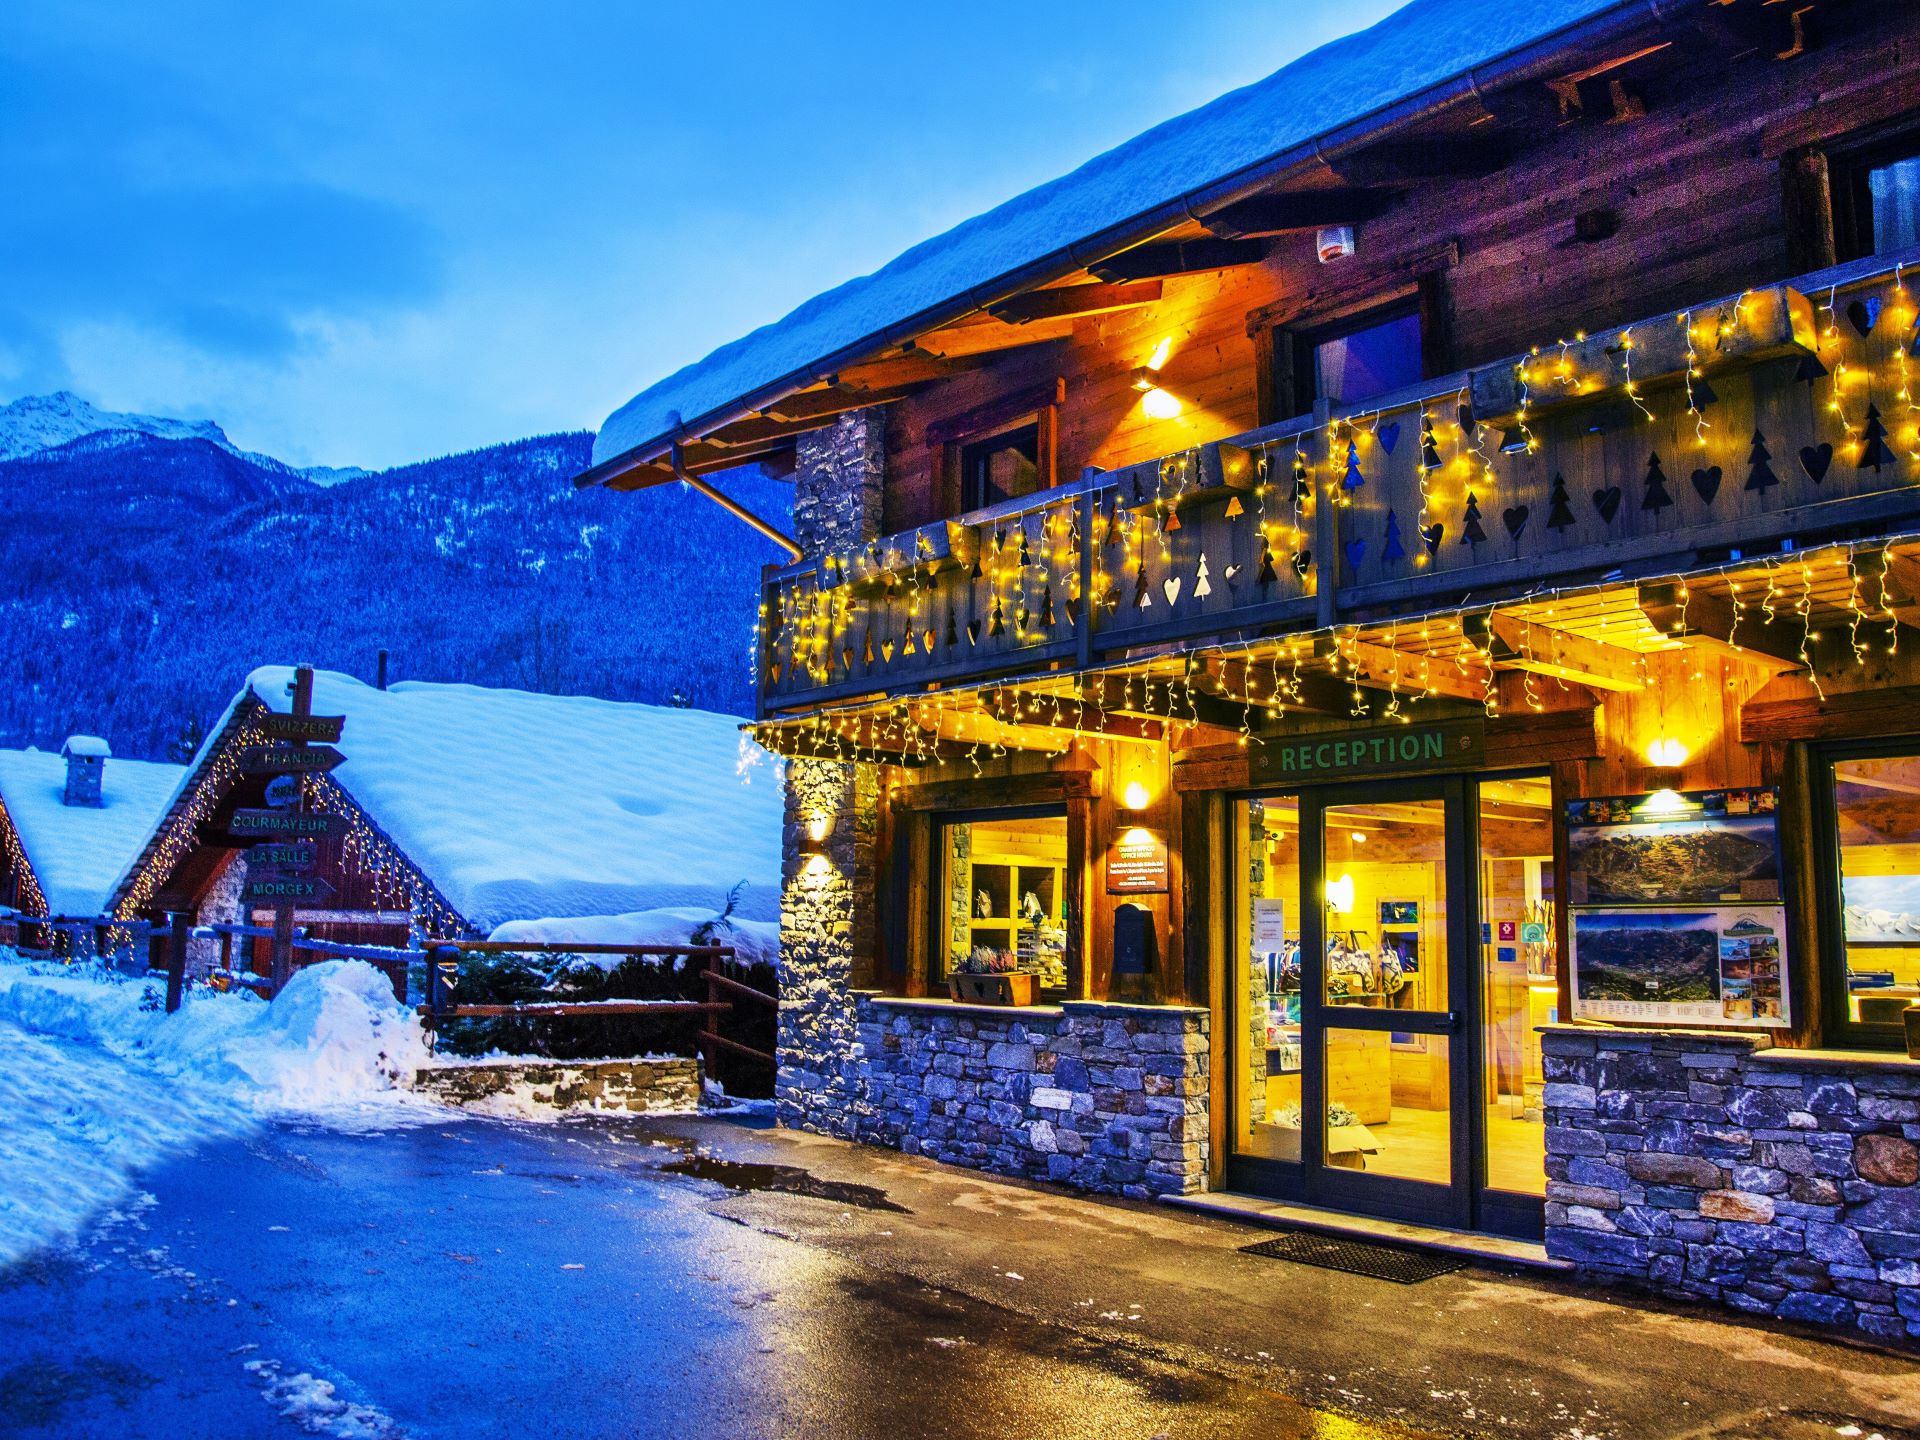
(1359, 836)
(1340, 895)
(1135, 796)
(1664, 802)
(1158, 403)
(1666, 753)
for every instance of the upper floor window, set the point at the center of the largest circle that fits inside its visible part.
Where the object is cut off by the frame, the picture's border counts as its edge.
(1354, 359)
(1000, 467)
(1876, 198)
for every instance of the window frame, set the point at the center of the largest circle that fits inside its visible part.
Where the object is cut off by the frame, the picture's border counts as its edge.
(969, 501)
(935, 957)
(1838, 1029)
(1850, 202)
(949, 437)
(1306, 340)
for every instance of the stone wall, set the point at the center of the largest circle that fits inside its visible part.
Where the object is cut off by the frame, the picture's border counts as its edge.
(827, 913)
(661, 1084)
(1777, 1182)
(1110, 1098)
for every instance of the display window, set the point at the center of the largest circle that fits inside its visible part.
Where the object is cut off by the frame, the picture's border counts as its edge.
(1002, 905)
(1872, 834)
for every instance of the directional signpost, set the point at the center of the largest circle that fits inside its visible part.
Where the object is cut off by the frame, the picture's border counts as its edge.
(280, 865)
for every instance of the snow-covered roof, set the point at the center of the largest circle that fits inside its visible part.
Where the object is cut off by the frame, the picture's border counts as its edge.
(521, 806)
(1420, 46)
(78, 851)
(90, 747)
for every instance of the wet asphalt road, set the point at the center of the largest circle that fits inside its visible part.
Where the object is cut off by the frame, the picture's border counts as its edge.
(477, 1278)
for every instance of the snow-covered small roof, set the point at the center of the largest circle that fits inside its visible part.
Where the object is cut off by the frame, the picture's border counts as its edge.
(521, 806)
(91, 747)
(78, 852)
(1418, 47)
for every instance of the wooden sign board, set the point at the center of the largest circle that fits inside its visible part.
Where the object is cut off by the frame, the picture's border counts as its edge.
(286, 889)
(1381, 750)
(286, 825)
(1137, 863)
(289, 759)
(287, 856)
(315, 729)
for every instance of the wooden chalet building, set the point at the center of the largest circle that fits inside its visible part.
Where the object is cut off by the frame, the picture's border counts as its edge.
(462, 808)
(1390, 604)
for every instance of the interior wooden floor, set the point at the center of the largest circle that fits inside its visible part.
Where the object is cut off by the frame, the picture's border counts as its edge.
(1414, 1145)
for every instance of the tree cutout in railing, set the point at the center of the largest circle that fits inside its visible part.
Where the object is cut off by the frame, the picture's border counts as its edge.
(1464, 414)
(1433, 535)
(975, 572)
(1873, 441)
(1020, 619)
(996, 622)
(1046, 607)
(1388, 435)
(1301, 490)
(1706, 482)
(1142, 596)
(1810, 369)
(1353, 479)
(886, 649)
(1391, 550)
(1169, 520)
(1112, 535)
(1026, 554)
(1472, 532)
(953, 629)
(1759, 473)
(846, 658)
(1657, 497)
(1429, 443)
(1202, 584)
(910, 646)
(1863, 314)
(1265, 576)
(1559, 505)
(1815, 459)
(866, 655)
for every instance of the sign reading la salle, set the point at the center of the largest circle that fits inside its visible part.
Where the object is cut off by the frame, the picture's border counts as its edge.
(1386, 749)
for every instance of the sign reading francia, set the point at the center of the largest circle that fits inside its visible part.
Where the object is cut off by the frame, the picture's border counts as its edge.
(1367, 752)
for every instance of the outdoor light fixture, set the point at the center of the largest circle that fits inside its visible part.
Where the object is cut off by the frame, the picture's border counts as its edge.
(1665, 802)
(1135, 796)
(1158, 404)
(818, 824)
(1340, 895)
(1359, 836)
(1666, 753)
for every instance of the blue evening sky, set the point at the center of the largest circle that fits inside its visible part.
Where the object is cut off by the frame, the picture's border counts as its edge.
(364, 233)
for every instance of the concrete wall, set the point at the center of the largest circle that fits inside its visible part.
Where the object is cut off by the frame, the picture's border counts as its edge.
(1777, 1182)
(1110, 1098)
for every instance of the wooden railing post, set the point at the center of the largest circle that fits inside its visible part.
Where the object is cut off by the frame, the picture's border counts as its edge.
(177, 959)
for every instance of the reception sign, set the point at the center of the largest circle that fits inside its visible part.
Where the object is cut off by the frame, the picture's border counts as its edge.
(1375, 750)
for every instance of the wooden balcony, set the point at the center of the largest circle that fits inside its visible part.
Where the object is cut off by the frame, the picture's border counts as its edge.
(1747, 426)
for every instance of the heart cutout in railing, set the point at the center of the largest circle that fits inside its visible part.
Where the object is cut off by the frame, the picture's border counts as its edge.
(1816, 460)
(1706, 482)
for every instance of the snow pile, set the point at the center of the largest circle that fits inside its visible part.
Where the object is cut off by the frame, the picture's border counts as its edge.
(754, 941)
(315, 1406)
(98, 1082)
(78, 851)
(518, 805)
(1417, 47)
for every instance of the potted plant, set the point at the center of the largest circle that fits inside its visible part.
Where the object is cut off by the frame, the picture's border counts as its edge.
(991, 977)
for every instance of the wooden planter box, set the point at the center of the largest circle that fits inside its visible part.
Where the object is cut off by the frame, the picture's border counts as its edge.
(1013, 989)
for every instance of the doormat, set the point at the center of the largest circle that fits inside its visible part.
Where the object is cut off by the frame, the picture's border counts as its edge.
(1358, 1257)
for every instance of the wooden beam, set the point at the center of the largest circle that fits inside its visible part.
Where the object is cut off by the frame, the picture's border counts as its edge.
(1381, 666)
(1181, 257)
(1523, 645)
(1788, 708)
(1407, 162)
(1302, 210)
(831, 401)
(1308, 693)
(1708, 621)
(1067, 301)
(876, 376)
(984, 337)
(1059, 713)
(1161, 699)
(997, 413)
(1899, 577)
(756, 431)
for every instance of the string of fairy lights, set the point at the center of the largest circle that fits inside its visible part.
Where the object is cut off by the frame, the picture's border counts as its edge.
(1027, 582)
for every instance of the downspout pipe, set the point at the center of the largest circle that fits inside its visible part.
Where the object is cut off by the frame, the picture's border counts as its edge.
(1539, 60)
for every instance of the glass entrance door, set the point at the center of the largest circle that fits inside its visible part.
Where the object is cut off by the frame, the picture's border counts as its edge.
(1393, 957)
(1380, 1092)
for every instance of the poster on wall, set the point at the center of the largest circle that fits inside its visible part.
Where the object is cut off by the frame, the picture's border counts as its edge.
(1882, 909)
(1703, 847)
(1718, 965)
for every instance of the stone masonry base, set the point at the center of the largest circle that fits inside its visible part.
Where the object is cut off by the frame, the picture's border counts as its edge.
(1777, 1182)
(667, 1083)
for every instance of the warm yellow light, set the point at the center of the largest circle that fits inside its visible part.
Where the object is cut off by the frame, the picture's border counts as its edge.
(1665, 802)
(1159, 405)
(817, 826)
(1138, 835)
(1160, 352)
(1359, 836)
(816, 866)
(1340, 895)
(1135, 796)
(1666, 753)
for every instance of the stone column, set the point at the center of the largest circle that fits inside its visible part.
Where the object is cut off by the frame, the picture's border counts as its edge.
(828, 877)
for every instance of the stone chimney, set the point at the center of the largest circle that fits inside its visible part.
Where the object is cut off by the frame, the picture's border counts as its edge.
(86, 757)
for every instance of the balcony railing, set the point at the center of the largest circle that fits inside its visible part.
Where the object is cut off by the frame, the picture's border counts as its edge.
(1748, 424)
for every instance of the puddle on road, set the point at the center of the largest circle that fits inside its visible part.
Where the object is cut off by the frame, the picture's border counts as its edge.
(740, 1175)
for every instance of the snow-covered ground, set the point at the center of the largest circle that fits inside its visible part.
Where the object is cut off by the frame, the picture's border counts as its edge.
(97, 1082)
(753, 941)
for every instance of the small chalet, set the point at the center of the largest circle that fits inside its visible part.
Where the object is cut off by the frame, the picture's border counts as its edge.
(461, 809)
(70, 824)
(1384, 614)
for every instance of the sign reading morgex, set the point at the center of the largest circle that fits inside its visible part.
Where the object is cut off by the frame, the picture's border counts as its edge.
(1385, 749)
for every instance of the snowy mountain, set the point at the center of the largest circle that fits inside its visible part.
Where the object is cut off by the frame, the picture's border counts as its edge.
(143, 575)
(38, 423)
